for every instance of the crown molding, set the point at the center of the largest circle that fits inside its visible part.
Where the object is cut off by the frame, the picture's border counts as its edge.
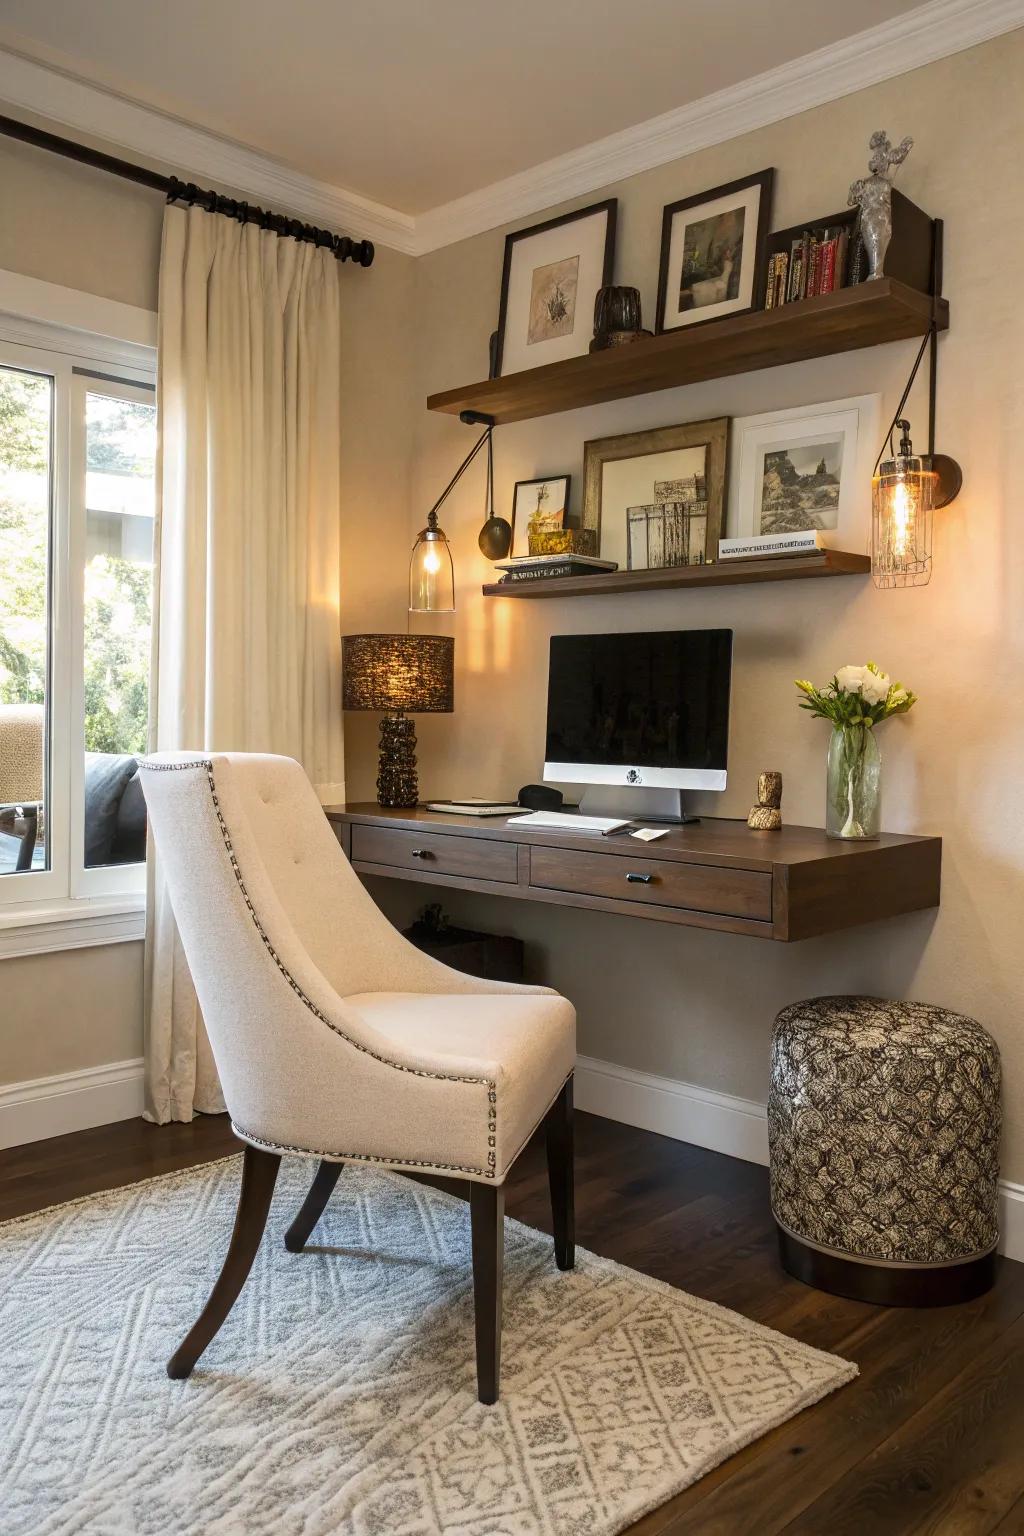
(64, 99)
(929, 32)
(921, 36)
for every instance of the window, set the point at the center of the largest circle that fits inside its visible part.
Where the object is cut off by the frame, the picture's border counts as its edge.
(77, 505)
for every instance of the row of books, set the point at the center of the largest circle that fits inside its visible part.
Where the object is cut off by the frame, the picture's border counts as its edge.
(817, 262)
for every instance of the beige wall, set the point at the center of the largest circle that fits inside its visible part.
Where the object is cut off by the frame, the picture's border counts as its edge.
(62, 1012)
(66, 224)
(698, 1006)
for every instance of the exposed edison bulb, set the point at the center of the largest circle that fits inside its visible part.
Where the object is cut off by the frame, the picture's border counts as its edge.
(431, 561)
(902, 519)
(902, 503)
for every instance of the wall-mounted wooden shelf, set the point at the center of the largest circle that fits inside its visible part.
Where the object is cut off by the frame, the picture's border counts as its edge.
(724, 573)
(864, 316)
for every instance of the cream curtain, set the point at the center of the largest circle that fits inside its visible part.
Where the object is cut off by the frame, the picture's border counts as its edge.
(247, 634)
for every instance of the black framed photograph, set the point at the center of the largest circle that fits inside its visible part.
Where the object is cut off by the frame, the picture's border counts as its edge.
(549, 281)
(656, 498)
(712, 253)
(538, 507)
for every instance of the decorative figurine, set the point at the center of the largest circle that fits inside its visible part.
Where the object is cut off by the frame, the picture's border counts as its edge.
(766, 815)
(873, 194)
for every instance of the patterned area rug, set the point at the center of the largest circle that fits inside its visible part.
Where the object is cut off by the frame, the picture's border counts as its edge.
(340, 1395)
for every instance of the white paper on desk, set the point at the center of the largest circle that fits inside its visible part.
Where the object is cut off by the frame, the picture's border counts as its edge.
(648, 834)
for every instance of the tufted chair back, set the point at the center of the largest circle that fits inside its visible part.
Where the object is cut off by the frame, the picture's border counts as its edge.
(277, 930)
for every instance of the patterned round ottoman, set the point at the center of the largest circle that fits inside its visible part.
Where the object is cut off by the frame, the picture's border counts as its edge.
(883, 1126)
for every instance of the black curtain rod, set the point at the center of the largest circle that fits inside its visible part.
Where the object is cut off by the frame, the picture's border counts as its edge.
(345, 249)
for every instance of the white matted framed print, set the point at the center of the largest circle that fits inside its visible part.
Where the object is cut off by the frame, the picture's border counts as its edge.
(550, 279)
(712, 253)
(806, 468)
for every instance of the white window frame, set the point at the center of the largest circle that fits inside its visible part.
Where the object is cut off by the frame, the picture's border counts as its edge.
(111, 879)
(67, 905)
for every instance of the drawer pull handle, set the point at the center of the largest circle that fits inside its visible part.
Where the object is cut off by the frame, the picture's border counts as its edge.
(640, 879)
(422, 853)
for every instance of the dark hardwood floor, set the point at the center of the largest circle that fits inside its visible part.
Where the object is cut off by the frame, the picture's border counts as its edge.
(930, 1438)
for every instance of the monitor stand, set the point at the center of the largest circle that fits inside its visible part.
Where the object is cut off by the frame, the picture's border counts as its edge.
(637, 804)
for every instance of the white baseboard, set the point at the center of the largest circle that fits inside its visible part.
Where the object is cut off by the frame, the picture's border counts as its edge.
(72, 1101)
(1011, 1219)
(722, 1123)
(719, 1121)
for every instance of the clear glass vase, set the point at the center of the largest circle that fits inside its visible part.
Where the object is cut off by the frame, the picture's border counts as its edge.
(854, 807)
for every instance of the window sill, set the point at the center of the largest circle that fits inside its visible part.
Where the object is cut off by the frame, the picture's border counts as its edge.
(45, 927)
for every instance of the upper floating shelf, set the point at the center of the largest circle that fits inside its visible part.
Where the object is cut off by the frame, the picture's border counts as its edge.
(864, 316)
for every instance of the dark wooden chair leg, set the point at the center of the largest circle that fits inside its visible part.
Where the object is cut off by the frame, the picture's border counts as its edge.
(259, 1175)
(27, 846)
(558, 1134)
(487, 1216)
(320, 1191)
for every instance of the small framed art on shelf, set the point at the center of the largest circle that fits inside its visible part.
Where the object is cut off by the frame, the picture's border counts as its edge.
(539, 509)
(550, 280)
(712, 253)
(805, 469)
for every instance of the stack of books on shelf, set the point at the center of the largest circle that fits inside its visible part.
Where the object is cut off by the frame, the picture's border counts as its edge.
(818, 261)
(535, 567)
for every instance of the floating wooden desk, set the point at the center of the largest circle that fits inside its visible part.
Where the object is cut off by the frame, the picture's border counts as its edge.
(787, 885)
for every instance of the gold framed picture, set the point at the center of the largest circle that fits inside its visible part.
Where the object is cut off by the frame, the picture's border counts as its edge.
(656, 498)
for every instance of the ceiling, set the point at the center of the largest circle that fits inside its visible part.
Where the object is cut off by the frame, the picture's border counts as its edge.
(413, 103)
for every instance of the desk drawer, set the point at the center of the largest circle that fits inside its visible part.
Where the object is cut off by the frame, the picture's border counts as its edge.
(475, 858)
(661, 882)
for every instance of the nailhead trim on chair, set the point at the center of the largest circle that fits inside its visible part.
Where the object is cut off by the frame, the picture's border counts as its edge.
(362, 1157)
(446, 1077)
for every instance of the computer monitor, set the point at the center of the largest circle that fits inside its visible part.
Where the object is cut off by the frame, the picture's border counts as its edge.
(646, 710)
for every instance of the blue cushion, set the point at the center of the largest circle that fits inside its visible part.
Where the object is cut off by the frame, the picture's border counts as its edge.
(106, 778)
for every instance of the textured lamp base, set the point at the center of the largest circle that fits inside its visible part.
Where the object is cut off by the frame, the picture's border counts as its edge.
(397, 785)
(886, 1285)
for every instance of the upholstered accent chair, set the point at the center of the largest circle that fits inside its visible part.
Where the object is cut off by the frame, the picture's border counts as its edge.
(21, 771)
(335, 1038)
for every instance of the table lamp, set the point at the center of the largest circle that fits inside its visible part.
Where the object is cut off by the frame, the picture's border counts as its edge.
(395, 675)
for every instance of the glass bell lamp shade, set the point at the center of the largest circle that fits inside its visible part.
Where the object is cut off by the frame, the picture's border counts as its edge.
(431, 573)
(902, 507)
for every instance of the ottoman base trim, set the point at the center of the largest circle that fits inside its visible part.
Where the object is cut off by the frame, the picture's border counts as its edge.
(886, 1285)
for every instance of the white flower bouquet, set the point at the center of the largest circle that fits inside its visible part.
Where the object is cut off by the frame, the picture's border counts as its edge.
(857, 696)
(854, 702)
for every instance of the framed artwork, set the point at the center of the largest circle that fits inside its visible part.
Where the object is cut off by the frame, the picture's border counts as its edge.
(808, 468)
(549, 282)
(538, 506)
(656, 498)
(712, 253)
